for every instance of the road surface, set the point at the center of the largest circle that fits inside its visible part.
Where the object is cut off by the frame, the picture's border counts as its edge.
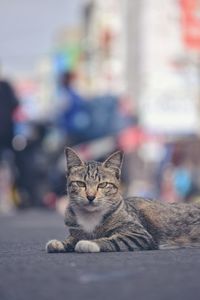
(28, 273)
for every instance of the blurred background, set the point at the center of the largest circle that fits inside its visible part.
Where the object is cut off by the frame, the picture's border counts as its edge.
(99, 76)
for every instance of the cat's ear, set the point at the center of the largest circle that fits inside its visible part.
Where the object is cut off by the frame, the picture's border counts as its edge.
(114, 161)
(72, 158)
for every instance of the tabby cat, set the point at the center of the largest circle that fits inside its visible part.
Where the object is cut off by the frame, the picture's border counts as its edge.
(100, 220)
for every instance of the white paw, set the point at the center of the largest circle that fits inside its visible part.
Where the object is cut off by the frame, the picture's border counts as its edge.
(87, 246)
(54, 246)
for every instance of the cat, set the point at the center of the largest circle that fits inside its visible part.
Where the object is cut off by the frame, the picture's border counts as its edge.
(100, 220)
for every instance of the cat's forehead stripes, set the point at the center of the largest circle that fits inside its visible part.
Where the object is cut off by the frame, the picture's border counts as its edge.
(92, 171)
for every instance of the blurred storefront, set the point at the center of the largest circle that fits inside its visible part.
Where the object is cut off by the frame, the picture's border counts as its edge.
(137, 85)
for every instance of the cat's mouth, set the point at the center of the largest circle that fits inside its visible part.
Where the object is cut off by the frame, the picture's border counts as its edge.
(91, 206)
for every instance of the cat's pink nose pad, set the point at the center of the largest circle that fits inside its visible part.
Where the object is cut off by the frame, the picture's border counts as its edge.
(90, 198)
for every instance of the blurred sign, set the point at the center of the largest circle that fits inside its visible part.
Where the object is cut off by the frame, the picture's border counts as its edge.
(191, 23)
(169, 96)
(170, 108)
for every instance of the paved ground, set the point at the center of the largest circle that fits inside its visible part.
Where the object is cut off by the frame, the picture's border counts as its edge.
(27, 272)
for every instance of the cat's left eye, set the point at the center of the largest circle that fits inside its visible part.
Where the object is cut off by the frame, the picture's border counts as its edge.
(81, 183)
(103, 185)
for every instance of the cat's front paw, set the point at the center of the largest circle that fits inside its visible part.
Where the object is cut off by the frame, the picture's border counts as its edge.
(87, 246)
(55, 246)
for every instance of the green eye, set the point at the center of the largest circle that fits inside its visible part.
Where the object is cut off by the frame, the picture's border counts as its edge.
(102, 185)
(80, 183)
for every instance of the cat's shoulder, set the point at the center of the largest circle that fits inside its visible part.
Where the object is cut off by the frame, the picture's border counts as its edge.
(142, 204)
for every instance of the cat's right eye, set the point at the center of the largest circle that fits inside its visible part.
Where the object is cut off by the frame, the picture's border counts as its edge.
(80, 183)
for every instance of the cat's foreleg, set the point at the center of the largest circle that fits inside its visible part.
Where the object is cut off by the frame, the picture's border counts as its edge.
(56, 246)
(116, 243)
(110, 244)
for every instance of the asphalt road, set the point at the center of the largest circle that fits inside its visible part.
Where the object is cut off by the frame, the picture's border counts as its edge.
(27, 272)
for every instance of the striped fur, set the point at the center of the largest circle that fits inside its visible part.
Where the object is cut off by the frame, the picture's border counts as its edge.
(99, 219)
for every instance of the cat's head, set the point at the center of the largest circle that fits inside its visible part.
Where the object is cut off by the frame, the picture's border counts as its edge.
(93, 186)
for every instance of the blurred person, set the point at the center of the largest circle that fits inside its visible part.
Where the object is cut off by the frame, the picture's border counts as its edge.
(175, 175)
(183, 181)
(70, 125)
(74, 117)
(8, 104)
(167, 189)
(22, 162)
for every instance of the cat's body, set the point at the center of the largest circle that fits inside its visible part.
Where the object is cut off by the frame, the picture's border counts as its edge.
(99, 219)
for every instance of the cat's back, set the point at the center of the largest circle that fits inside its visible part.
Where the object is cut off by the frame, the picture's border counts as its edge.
(156, 215)
(139, 204)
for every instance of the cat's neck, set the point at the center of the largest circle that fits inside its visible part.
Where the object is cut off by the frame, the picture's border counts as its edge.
(88, 220)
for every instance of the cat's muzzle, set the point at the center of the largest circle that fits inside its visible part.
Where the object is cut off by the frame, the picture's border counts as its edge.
(90, 198)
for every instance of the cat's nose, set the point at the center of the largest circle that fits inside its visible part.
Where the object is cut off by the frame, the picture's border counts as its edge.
(90, 198)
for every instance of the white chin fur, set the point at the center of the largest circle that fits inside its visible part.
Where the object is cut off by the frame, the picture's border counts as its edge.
(90, 208)
(87, 247)
(88, 220)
